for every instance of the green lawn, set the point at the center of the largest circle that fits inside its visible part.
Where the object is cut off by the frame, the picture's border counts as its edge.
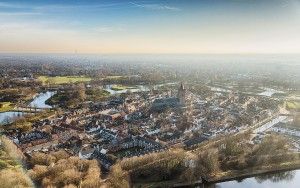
(115, 77)
(118, 87)
(5, 106)
(63, 79)
(122, 87)
(293, 105)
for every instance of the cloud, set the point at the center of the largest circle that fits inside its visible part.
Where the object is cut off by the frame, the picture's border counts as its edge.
(27, 9)
(19, 13)
(10, 5)
(88, 7)
(103, 29)
(156, 7)
(17, 9)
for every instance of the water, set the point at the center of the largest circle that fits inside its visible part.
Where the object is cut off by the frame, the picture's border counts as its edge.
(290, 179)
(40, 99)
(269, 92)
(270, 124)
(7, 117)
(135, 89)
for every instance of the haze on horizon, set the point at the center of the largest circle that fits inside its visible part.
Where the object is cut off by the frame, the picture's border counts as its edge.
(150, 26)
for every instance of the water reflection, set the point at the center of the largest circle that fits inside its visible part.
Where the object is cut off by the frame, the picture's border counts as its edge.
(290, 179)
(8, 117)
(40, 99)
(280, 176)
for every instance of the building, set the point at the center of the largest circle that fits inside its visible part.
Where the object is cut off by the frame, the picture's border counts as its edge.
(162, 104)
(181, 94)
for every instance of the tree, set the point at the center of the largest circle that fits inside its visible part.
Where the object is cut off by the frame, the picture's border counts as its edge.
(81, 92)
(118, 177)
(208, 162)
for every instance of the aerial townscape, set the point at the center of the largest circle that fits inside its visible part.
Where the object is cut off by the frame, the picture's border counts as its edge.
(94, 123)
(150, 94)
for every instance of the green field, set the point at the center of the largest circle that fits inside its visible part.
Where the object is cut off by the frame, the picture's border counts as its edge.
(5, 106)
(293, 105)
(115, 77)
(122, 87)
(118, 87)
(63, 79)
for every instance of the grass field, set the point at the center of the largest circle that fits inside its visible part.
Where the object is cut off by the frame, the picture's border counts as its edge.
(115, 77)
(293, 105)
(5, 106)
(118, 87)
(122, 87)
(63, 79)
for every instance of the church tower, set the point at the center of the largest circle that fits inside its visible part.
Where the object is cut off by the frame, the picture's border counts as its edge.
(181, 94)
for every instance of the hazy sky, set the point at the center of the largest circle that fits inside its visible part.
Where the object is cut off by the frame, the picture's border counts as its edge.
(150, 26)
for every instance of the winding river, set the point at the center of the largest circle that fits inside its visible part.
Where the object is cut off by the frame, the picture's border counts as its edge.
(38, 102)
(40, 99)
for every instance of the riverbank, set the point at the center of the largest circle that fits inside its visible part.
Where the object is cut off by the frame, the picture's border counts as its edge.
(250, 172)
(226, 176)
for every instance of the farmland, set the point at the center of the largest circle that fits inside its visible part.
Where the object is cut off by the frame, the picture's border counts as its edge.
(63, 79)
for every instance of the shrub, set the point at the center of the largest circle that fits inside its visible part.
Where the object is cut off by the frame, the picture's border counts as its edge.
(14, 178)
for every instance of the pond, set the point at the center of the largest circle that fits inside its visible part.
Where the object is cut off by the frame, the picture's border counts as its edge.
(290, 179)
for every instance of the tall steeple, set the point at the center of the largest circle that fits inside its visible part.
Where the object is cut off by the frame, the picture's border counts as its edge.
(181, 94)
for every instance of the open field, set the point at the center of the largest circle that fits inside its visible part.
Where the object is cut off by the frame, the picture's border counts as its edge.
(5, 106)
(115, 77)
(118, 87)
(122, 87)
(293, 105)
(63, 79)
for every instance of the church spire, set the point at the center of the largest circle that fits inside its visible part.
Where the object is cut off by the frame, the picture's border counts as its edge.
(181, 94)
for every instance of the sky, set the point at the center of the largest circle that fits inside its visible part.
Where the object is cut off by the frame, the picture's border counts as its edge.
(150, 26)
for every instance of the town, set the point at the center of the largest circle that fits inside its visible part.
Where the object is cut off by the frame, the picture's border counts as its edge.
(118, 117)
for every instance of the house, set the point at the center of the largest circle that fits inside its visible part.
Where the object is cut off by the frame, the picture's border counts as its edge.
(112, 114)
(86, 152)
(104, 160)
(194, 141)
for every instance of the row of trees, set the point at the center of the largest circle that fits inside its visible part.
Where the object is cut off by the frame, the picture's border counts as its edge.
(231, 153)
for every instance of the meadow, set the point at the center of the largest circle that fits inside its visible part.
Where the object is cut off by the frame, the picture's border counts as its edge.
(63, 79)
(5, 106)
(293, 105)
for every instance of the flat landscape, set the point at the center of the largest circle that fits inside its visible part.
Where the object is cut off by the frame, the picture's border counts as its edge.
(63, 79)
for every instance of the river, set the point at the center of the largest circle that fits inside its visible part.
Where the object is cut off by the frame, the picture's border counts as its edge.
(38, 101)
(289, 179)
(137, 88)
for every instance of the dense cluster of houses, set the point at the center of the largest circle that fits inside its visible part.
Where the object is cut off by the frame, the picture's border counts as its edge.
(135, 124)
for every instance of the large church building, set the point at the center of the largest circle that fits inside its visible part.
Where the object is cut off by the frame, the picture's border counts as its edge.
(170, 102)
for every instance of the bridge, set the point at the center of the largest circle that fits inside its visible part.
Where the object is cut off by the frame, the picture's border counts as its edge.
(29, 109)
